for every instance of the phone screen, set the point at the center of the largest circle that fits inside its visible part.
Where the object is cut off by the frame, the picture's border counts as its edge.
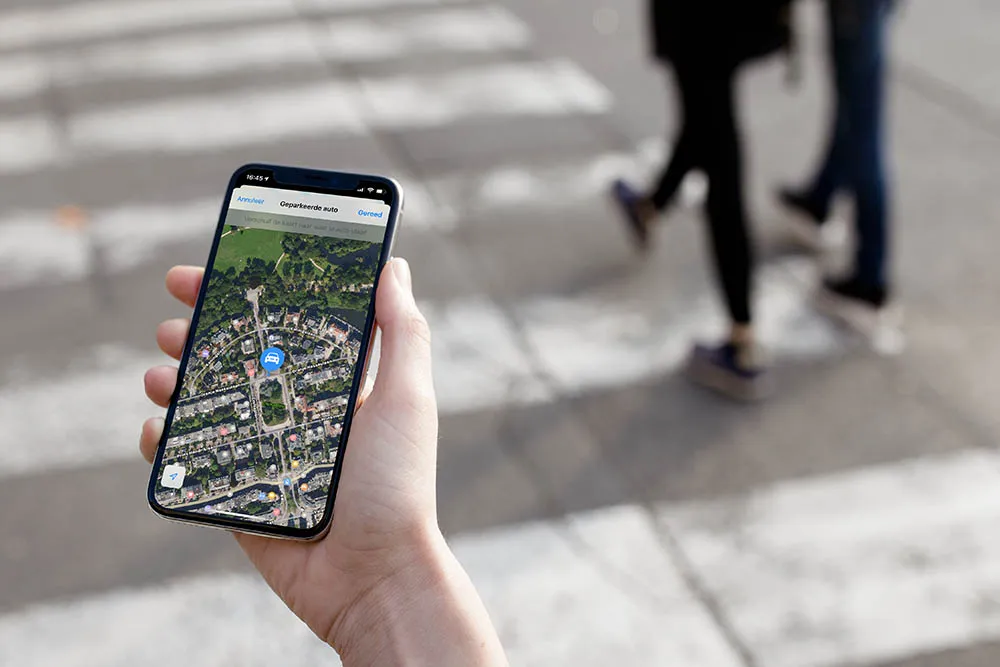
(273, 366)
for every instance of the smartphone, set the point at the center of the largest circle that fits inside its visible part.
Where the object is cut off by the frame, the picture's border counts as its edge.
(277, 352)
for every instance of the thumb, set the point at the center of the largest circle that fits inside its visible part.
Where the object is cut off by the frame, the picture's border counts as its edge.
(404, 369)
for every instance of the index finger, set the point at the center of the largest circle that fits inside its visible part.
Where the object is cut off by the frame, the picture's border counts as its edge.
(184, 282)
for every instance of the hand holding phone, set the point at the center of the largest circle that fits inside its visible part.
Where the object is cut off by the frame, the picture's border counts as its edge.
(268, 397)
(276, 354)
(381, 587)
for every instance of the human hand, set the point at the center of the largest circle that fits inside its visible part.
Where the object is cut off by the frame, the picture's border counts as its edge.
(382, 587)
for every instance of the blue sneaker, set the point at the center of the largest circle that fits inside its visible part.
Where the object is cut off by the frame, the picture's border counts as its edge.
(631, 204)
(728, 370)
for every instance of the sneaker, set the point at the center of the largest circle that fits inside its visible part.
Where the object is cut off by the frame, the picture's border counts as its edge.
(865, 309)
(636, 209)
(729, 370)
(810, 225)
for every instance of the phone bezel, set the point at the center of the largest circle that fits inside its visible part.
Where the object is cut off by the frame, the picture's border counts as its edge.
(305, 179)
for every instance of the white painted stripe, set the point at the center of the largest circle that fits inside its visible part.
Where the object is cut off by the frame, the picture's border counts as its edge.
(545, 187)
(856, 568)
(474, 29)
(619, 602)
(23, 76)
(126, 237)
(556, 186)
(253, 116)
(478, 361)
(551, 88)
(197, 55)
(200, 55)
(101, 407)
(33, 250)
(615, 339)
(27, 144)
(196, 124)
(102, 19)
(859, 567)
(209, 122)
(220, 620)
(424, 212)
(578, 344)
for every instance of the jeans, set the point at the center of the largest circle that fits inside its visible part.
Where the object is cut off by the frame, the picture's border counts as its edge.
(855, 157)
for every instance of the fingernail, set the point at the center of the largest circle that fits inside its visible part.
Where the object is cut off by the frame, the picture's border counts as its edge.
(402, 270)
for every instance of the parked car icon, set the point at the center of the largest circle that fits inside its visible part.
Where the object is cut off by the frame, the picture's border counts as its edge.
(272, 358)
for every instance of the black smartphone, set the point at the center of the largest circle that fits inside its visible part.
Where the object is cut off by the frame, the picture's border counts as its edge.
(277, 352)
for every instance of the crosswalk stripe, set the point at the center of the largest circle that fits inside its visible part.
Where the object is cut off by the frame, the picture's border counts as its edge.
(23, 76)
(27, 144)
(352, 40)
(590, 343)
(859, 567)
(577, 344)
(621, 602)
(542, 188)
(221, 620)
(591, 590)
(101, 407)
(197, 124)
(547, 88)
(863, 567)
(33, 250)
(472, 29)
(203, 123)
(102, 19)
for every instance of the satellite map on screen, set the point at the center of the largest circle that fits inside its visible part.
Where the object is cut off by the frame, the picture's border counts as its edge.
(256, 431)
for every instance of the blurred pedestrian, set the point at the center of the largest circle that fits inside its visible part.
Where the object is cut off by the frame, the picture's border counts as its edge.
(855, 163)
(705, 43)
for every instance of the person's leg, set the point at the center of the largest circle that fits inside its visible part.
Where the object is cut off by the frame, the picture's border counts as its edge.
(640, 209)
(862, 300)
(681, 162)
(811, 205)
(732, 367)
(830, 175)
(683, 157)
(726, 208)
(865, 104)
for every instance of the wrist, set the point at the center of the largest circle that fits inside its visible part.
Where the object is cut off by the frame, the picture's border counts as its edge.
(424, 612)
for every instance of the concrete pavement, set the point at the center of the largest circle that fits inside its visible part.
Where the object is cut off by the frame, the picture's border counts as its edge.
(578, 471)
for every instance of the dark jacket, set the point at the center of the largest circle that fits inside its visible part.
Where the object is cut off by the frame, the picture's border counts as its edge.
(719, 32)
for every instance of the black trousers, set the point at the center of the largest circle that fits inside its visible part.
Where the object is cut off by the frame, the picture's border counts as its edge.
(709, 139)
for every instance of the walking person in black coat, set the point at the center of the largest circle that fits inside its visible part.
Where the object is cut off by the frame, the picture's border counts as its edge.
(705, 42)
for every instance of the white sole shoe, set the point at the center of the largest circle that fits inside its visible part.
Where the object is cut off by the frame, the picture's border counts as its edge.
(881, 327)
(813, 237)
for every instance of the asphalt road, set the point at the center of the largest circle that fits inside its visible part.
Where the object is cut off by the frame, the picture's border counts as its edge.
(607, 510)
